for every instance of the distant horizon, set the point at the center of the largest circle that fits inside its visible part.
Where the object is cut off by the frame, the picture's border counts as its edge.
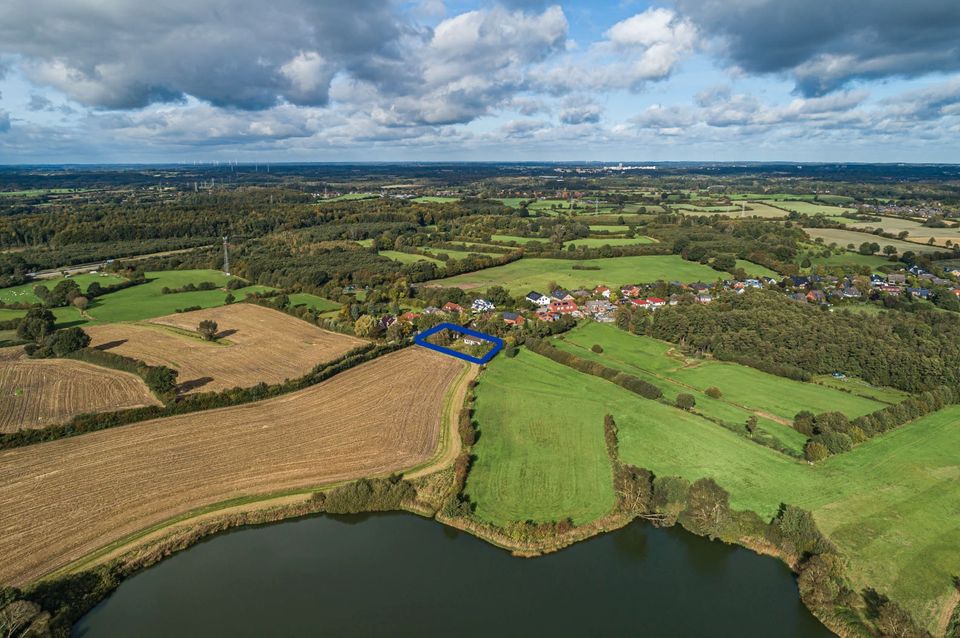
(228, 163)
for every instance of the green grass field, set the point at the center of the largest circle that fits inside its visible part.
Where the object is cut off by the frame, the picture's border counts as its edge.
(612, 228)
(756, 270)
(352, 196)
(844, 237)
(313, 301)
(846, 259)
(456, 254)
(534, 274)
(518, 240)
(435, 199)
(890, 505)
(810, 207)
(146, 301)
(407, 258)
(512, 202)
(43, 191)
(541, 453)
(773, 400)
(597, 242)
(24, 293)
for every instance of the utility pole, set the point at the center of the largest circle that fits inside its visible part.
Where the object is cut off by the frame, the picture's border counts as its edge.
(226, 258)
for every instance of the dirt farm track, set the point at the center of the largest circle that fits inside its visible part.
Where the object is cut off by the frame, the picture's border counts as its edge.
(61, 500)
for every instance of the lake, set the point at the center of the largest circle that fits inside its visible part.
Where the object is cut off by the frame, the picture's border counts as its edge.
(400, 575)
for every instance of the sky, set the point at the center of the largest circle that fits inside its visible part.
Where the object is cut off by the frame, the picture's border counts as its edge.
(102, 81)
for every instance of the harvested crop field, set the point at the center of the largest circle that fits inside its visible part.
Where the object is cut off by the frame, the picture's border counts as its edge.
(64, 499)
(258, 344)
(42, 392)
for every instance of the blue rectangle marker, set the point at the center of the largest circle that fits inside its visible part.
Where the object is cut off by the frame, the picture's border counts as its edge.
(421, 340)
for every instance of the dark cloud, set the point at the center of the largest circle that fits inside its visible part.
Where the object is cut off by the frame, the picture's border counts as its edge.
(4, 121)
(826, 45)
(246, 54)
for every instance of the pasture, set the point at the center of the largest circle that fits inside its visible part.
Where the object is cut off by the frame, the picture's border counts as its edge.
(67, 498)
(807, 207)
(889, 505)
(435, 199)
(313, 301)
(534, 274)
(42, 392)
(407, 258)
(597, 242)
(844, 238)
(917, 231)
(147, 300)
(541, 453)
(24, 292)
(258, 345)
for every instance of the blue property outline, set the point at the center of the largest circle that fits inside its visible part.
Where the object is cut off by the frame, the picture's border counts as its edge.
(421, 340)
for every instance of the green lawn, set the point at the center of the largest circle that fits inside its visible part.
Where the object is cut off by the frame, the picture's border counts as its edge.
(24, 293)
(313, 301)
(890, 505)
(846, 259)
(512, 202)
(597, 242)
(366, 243)
(352, 196)
(534, 274)
(541, 453)
(7, 314)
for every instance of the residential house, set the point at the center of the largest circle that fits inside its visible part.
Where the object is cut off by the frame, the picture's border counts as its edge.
(580, 294)
(799, 281)
(851, 293)
(640, 303)
(816, 296)
(431, 310)
(452, 308)
(890, 289)
(513, 319)
(564, 307)
(386, 321)
(918, 293)
(481, 305)
(656, 302)
(561, 295)
(408, 317)
(896, 278)
(603, 291)
(545, 314)
(537, 298)
(704, 298)
(631, 291)
(699, 287)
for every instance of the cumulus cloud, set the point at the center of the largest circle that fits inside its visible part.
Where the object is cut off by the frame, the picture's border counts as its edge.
(580, 110)
(643, 48)
(826, 45)
(38, 103)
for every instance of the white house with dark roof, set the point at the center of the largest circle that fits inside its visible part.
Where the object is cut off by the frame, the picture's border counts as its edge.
(535, 297)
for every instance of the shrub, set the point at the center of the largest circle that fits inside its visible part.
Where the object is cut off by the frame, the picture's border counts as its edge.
(814, 451)
(714, 392)
(686, 401)
(596, 348)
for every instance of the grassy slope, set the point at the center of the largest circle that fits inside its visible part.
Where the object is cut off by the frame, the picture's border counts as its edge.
(407, 258)
(146, 301)
(890, 505)
(534, 274)
(845, 237)
(313, 301)
(536, 460)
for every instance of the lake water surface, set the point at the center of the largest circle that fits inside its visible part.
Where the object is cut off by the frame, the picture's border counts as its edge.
(401, 575)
